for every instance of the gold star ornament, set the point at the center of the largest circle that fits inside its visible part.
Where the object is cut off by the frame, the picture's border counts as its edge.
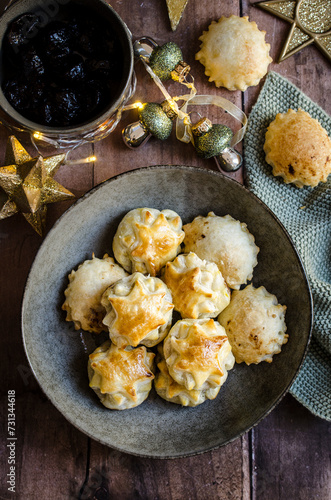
(29, 184)
(175, 11)
(311, 23)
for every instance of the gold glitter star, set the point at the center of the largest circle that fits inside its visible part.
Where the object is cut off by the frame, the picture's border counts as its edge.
(175, 11)
(139, 312)
(29, 184)
(311, 23)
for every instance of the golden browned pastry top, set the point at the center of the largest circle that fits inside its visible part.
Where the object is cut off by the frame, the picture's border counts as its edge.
(137, 306)
(234, 53)
(157, 240)
(138, 312)
(146, 239)
(122, 378)
(194, 351)
(298, 149)
(120, 368)
(168, 389)
(197, 287)
(199, 350)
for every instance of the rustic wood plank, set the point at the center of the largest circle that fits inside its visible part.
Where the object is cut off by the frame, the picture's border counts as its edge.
(222, 473)
(291, 455)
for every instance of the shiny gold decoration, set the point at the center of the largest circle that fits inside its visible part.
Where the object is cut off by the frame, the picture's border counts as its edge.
(311, 23)
(29, 184)
(175, 11)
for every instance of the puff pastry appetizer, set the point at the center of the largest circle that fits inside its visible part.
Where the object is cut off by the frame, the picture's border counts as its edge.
(122, 378)
(139, 310)
(255, 325)
(234, 53)
(226, 242)
(83, 294)
(171, 391)
(198, 354)
(146, 239)
(197, 287)
(298, 148)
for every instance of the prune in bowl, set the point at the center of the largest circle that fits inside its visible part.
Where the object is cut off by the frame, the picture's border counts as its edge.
(81, 60)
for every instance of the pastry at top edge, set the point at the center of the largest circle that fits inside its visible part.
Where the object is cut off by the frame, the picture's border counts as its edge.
(84, 291)
(197, 287)
(146, 239)
(234, 53)
(298, 148)
(255, 325)
(122, 378)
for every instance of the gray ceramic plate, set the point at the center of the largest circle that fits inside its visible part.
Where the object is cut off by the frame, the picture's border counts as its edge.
(58, 354)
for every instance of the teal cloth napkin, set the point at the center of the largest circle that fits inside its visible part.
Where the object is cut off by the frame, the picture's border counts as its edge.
(306, 214)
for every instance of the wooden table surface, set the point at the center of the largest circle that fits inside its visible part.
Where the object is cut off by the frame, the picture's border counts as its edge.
(287, 456)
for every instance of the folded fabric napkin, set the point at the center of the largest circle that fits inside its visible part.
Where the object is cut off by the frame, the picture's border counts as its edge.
(306, 214)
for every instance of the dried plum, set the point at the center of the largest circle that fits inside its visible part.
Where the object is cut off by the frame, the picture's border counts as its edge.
(21, 30)
(36, 93)
(99, 67)
(85, 44)
(16, 92)
(45, 113)
(57, 40)
(90, 40)
(74, 69)
(68, 104)
(62, 73)
(32, 64)
(95, 97)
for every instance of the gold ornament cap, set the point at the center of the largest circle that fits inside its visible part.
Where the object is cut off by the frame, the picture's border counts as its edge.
(168, 110)
(201, 127)
(180, 72)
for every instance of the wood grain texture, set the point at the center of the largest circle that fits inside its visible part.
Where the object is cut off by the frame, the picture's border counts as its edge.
(287, 455)
(212, 475)
(291, 455)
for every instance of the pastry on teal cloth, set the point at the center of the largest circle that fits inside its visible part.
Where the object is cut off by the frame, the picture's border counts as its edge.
(306, 214)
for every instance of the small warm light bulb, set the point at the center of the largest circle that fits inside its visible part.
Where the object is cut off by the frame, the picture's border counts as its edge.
(139, 105)
(40, 137)
(89, 159)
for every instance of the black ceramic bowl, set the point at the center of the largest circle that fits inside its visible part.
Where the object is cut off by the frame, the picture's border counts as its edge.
(106, 18)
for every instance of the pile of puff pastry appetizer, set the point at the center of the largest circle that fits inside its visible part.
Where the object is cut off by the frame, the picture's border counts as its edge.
(201, 271)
